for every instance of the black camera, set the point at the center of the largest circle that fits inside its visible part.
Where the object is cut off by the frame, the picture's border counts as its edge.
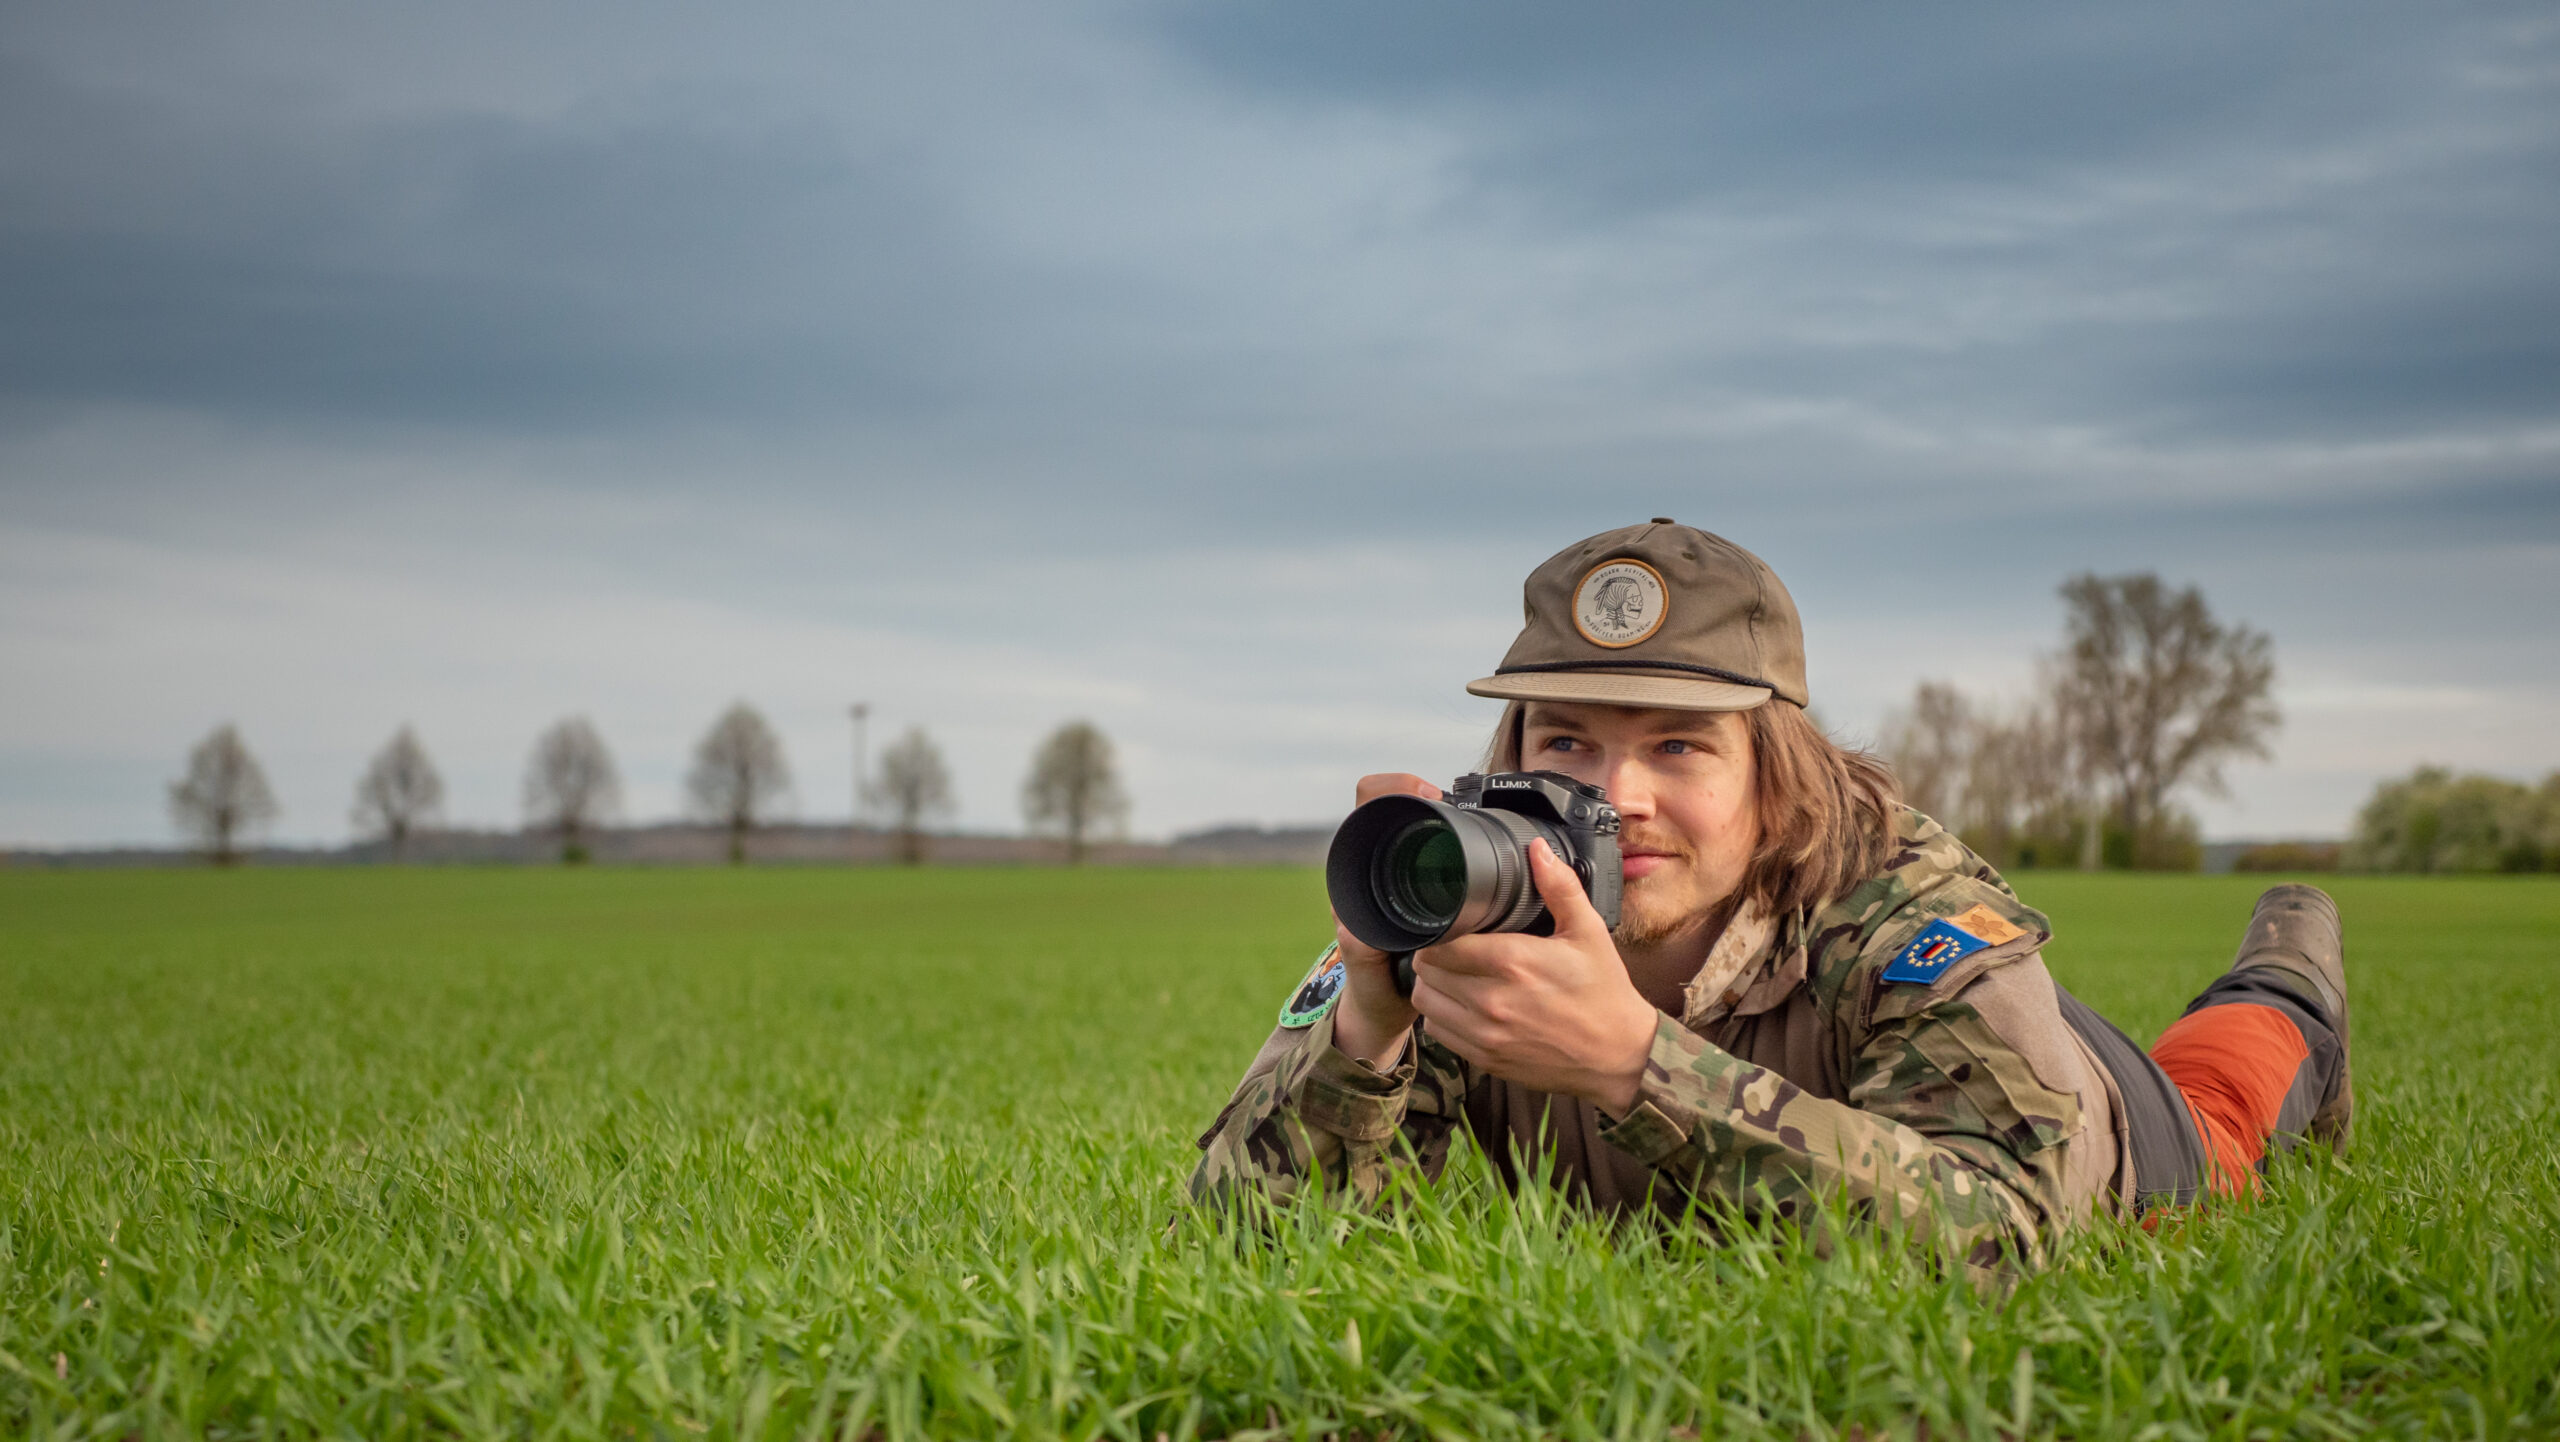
(1405, 873)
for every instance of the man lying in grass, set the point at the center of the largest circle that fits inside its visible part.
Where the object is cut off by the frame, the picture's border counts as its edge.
(1811, 990)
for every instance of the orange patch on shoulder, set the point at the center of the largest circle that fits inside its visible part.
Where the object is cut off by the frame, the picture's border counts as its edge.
(1987, 924)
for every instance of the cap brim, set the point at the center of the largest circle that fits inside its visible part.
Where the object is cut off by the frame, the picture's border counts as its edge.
(1620, 688)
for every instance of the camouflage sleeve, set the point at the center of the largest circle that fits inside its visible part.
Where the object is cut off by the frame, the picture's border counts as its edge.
(1306, 1110)
(1947, 1132)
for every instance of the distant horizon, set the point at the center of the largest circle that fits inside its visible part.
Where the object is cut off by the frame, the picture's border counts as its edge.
(868, 828)
(179, 848)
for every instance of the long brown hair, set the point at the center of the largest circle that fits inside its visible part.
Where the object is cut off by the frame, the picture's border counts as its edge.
(1826, 810)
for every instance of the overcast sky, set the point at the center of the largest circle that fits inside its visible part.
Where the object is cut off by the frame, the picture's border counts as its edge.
(1217, 372)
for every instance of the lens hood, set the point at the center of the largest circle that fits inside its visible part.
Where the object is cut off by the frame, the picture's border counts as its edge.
(1494, 894)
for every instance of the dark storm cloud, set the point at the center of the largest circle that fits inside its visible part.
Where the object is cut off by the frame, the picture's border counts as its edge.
(2332, 219)
(2179, 225)
(276, 257)
(1642, 106)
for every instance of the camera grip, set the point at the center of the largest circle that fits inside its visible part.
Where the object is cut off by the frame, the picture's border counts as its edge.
(1400, 965)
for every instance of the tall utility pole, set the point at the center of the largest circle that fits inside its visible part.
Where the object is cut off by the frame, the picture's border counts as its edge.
(861, 764)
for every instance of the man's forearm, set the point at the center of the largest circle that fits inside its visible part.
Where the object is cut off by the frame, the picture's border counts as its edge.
(1745, 1133)
(1308, 1110)
(1377, 1040)
(1305, 1110)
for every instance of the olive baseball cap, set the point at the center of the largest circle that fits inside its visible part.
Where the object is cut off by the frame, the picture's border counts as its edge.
(1660, 614)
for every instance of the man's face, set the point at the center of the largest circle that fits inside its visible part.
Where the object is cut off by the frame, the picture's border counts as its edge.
(1682, 783)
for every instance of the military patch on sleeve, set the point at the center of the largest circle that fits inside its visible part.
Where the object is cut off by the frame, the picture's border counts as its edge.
(1938, 946)
(1990, 925)
(1316, 995)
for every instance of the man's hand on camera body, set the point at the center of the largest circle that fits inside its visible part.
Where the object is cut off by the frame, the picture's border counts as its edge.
(1552, 1013)
(1556, 1013)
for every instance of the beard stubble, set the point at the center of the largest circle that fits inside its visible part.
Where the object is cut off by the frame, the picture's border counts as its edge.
(1646, 921)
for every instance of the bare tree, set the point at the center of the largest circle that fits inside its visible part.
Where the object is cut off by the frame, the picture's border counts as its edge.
(738, 774)
(398, 793)
(2074, 711)
(916, 785)
(570, 785)
(2004, 780)
(1929, 745)
(224, 796)
(2022, 795)
(1074, 786)
(2161, 693)
(1989, 802)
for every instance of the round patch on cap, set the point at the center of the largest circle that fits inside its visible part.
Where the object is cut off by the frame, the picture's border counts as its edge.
(1619, 603)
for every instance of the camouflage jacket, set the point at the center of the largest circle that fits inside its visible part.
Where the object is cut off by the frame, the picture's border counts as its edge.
(1900, 1048)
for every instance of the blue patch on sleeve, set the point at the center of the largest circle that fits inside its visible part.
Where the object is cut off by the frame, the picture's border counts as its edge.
(1937, 947)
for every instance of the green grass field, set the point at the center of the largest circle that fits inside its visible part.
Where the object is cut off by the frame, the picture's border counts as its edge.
(802, 1153)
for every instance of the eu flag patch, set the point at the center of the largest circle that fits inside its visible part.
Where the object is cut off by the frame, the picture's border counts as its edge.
(1937, 947)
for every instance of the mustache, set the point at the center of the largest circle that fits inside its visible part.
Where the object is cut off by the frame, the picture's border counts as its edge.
(1647, 841)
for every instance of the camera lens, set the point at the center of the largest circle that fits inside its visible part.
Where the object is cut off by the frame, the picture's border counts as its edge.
(1422, 875)
(1405, 873)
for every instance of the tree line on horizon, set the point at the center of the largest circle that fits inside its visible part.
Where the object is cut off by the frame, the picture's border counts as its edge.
(739, 781)
(2433, 820)
(2148, 699)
